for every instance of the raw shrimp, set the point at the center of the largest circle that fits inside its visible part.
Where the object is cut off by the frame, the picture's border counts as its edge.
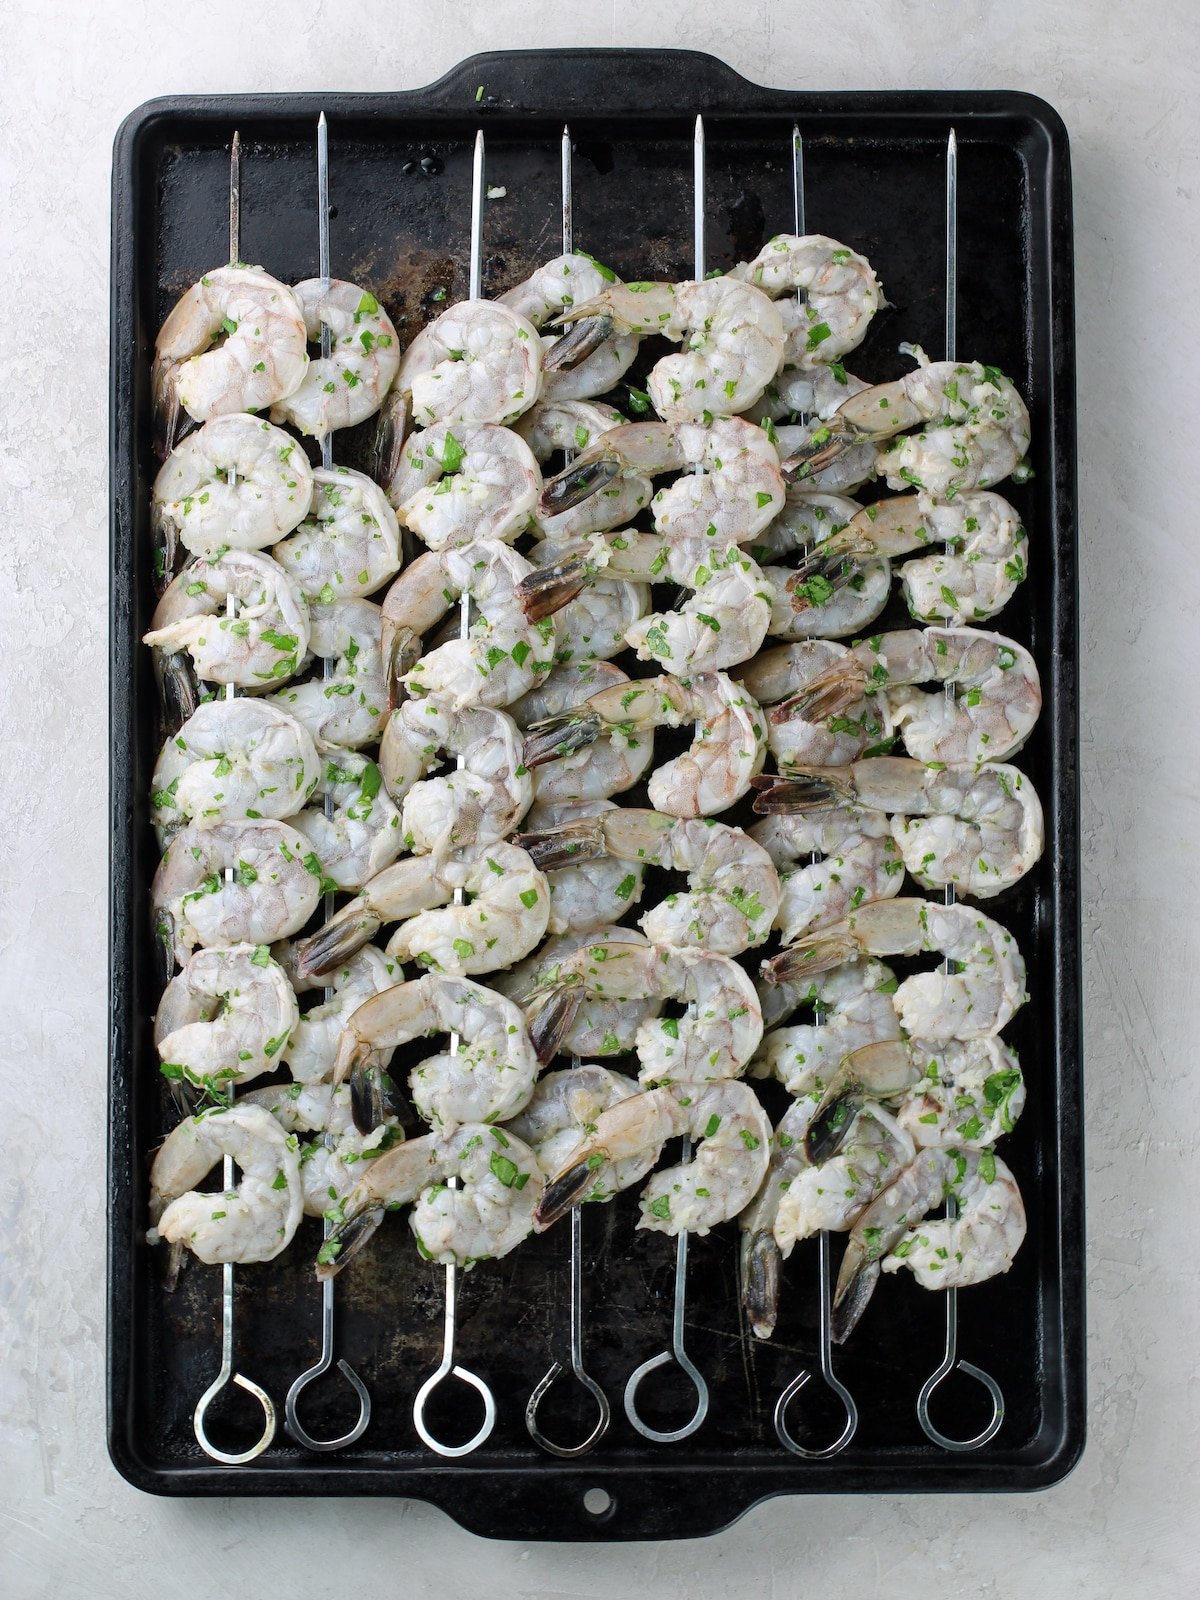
(727, 753)
(600, 1027)
(560, 1117)
(455, 483)
(975, 426)
(348, 543)
(313, 1043)
(573, 425)
(233, 758)
(262, 358)
(593, 357)
(841, 293)
(592, 626)
(330, 1165)
(892, 1233)
(967, 1094)
(857, 1010)
(502, 657)
(724, 1174)
(732, 334)
(977, 828)
(832, 1195)
(252, 1222)
(502, 923)
(733, 887)
(973, 1002)
(262, 643)
(587, 891)
(723, 622)
(857, 725)
(477, 362)
(860, 861)
(481, 801)
(996, 701)
(349, 384)
(275, 887)
(488, 1078)
(822, 455)
(714, 1040)
(237, 483)
(983, 560)
(804, 391)
(362, 834)
(613, 763)
(225, 1017)
(825, 595)
(348, 709)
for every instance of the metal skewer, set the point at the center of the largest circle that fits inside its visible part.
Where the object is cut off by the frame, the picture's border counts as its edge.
(448, 1368)
(950, 1358)
(227, 1374)
(291, 1414)
(824, 1332)
(677, 1353)
(556, 1368)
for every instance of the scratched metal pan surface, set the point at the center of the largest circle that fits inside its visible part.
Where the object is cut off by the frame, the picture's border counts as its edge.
(400, 191)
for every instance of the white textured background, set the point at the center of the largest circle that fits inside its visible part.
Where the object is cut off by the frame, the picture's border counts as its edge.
(1124, 76)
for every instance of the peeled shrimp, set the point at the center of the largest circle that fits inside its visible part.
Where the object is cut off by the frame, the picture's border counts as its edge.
(856, 725)
(262, 358)
(560, 1116)
(312, 1046)
(253, 1221)
(829, 593)
(860, 861)
(362, 834)
(237, 483)
(593, 357)
(349, 384)
(587, 891)
(967, 1094)
(857, 1010)
(260, 644)
(601, 1026)
(611, 764)
(275, 887)
(226, 1017)
(455, 483)
(841, 293)
(347, 709)
(574, 425)
(348, 544)
(973, 1002)
(832, 1195)
(329, 1166)
(477, 362)
(594, 625)
(233, 758)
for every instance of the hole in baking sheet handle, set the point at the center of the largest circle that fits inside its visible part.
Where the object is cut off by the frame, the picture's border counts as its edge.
(599, 1504)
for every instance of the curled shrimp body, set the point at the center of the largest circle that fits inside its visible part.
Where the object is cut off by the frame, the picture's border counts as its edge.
(483, 800)
(829, 593)
(571, 426)
(728, 1167)
(983, 559)
(348, 543)
(841, 293)
(455, 483)
(262, 644)
(503, 922)
(733, 887)
(262, 357)
(972, 1003)
(559, 1117)
(487, 1079)
(312, 1045)
(232, 758)
(486, 1216)
(348, 709)
(732, 334)
(588, 890)
(329, 1166)
(974, 425)
(594, 625)
(804, 391)
(968, 1093)
(616, 760)
(252, 1222)
(851, 727)
(275, 888)
(600, 1027)
(996, 701)
(835, 1193)
(226, 1016)
(362, 834)
(728, 750)
(349, 384)
(856, 1003)
(504, 654)
(715, 1040)
(477, 362)
(979, 829)
(594, 357)
(860, 861)
(721, 623)
(237, 483)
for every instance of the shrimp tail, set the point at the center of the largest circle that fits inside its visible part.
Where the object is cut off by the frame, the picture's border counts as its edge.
(561, 1193)
(828, 695)
(334, 944)
(164, 406)
(178, 688)
(801, 789)
(548, 589)
(584, 338)
(552, 1018)
(164, 946)
(586, 476)
(373, 1095)
(855, 1286)
(822, 450)
(176, 1262)
(761, 1263)
(556, 737)
(165, 543)
(816, 953)
(401, 652)
(388, 444)
(564, 846)
(880, 1071)
(833, 560)
(344, 1243)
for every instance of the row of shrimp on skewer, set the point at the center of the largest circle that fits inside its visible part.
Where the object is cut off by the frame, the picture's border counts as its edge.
(266, 801)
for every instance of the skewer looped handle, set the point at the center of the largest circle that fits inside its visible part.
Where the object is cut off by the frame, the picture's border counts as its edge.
(950, 1360)
(224, 1377)
(556, 1369)
(290, 1410)
(449, 1369)
(828, 1378)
